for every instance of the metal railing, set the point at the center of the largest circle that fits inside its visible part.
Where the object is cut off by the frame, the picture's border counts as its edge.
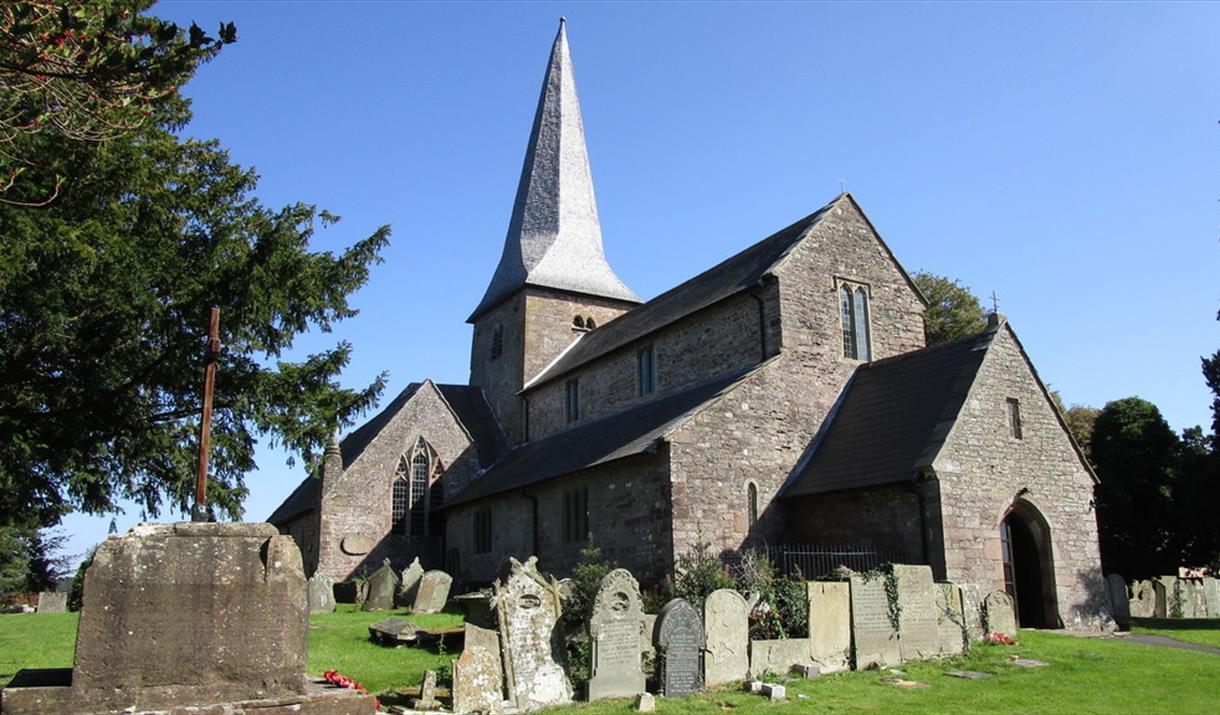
(814, 560)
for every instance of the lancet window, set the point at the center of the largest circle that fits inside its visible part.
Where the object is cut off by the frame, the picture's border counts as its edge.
(417, 490)
(853, 314)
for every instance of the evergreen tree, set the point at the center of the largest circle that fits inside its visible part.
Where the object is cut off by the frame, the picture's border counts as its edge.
(953, 311)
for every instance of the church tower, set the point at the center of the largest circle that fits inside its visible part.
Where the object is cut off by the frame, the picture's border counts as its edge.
(553, 281)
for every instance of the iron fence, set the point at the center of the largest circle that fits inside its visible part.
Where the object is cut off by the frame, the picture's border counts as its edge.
(812, 560)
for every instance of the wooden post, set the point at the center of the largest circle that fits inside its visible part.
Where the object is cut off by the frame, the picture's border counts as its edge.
(200, 511)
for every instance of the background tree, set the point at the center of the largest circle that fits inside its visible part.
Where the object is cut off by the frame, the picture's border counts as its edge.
(85, 70)
(953, 311)
(104, 297)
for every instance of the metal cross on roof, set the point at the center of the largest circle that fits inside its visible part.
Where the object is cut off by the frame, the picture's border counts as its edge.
(995, 303)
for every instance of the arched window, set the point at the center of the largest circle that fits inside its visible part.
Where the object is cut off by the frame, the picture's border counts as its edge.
(399, 503)
(497, 341)
(420, 468)
(578, 323)
(589, 323)
(752, 499)
(853, 314)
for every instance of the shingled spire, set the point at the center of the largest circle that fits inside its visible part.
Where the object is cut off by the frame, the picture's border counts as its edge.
(554, 237)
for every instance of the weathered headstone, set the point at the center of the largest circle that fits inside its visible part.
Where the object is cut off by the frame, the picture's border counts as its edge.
(950, 619)
(528, 609)
(1120, 600)
(394, 631)
(918, 631)
(614, 629)
(1211, 596)
(874, 622)
(1173, 596)
(1000, 615)
(1193, 600)
(321, 594)
(1143, 600)
(830, 624)
(382, 585)
(405, 596)
(478, 679)
(433, 592)
(52, 602)
(1161, 599)
(680, 641)
(645, 703)
(972, 609)
(427, 693)
(726, 621)
(778, 656)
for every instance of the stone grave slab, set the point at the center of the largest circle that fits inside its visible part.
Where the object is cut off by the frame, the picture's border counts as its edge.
(726, 622)
(1000, 615)
(873, 628)
(404, 597)
(1143, 600)
(1173, 596)
(918, 630)
(680, 641)
(645, 703)
(381, 587)
(1029, 663)
(321, 593)
(528, 609)
(1120, 600)
(1161, 599)
(394, 632)
(830, 624)
(52, 602)
(614, 629)
(477, 607)
(427, 693)
(1211, 596)
(1193, 599)
(950, 619)
(433, 592)
(778, 656)
(478, 678)
(972, 608)
(967, 674)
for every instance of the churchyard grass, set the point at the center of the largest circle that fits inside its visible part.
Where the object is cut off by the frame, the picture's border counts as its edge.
(36, 640)
(1204, 631)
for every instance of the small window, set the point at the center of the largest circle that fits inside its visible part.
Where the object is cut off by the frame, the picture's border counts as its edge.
(752, 499)
(576, 515)
(578, 323)
(482, 531)
(1014, 418)
(853, 314)
(572, 388)
(646, 371)
(497, 341)
(590, 323)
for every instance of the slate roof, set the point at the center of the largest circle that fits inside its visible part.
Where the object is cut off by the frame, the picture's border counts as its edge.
(732, 276)
(891, 419)
(467, 403)
(554, 235)
(622, 434)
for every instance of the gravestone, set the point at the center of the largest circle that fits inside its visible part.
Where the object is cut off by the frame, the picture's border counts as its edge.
(321, 594)
(1193, 597)
(1143, 600)
(1000, 615)
(874, 623)
(382, 585)
(1173, 596)
(427, 693)
(680, 640)
(528, 609)
(433, 592)
(1160, 599)
(614, 629)
(405, 596)
(918, 630)
(478, 679)
(972, 610)
(726, 621)
(830, 624)
(394, 632)
(779, 656)
(52, 602)
(950, 619)
(1211, 596)
(1120, 601)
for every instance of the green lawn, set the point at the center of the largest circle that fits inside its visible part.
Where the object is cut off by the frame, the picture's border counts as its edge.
(1085, 675)
(1204, 631)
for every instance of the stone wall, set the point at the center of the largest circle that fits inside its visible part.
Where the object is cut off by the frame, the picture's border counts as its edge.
(723, 338)
(628, 519)
(885, 517)
(538, 326)
(304, 531)
(358, 502)
(982, 468)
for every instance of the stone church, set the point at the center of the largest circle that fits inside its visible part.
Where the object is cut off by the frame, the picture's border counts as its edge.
(783, 396)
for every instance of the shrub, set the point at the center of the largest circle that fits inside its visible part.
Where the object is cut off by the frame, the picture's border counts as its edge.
(698, 573)
(586, 579)
(782, 610)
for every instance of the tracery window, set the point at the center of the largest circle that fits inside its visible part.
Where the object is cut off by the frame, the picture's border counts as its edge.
(417, 491)
(853, 315)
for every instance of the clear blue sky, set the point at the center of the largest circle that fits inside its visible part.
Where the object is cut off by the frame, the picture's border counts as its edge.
(1065, 156)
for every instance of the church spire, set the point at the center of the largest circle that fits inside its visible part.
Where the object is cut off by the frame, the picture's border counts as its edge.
(554, 237)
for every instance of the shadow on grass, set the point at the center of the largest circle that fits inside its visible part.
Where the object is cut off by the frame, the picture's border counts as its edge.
(1178, 624)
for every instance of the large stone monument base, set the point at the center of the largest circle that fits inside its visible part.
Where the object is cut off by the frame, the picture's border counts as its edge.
(188, 617)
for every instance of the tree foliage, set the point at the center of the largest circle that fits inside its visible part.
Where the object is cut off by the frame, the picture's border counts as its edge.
(28, 560)
(84, 70)
(104, 298)
(953, 311)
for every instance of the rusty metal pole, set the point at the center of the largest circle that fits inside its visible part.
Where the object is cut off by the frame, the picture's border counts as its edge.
(200, 511)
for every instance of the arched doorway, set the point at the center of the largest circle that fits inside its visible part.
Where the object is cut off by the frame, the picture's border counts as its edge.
(1029, 570)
